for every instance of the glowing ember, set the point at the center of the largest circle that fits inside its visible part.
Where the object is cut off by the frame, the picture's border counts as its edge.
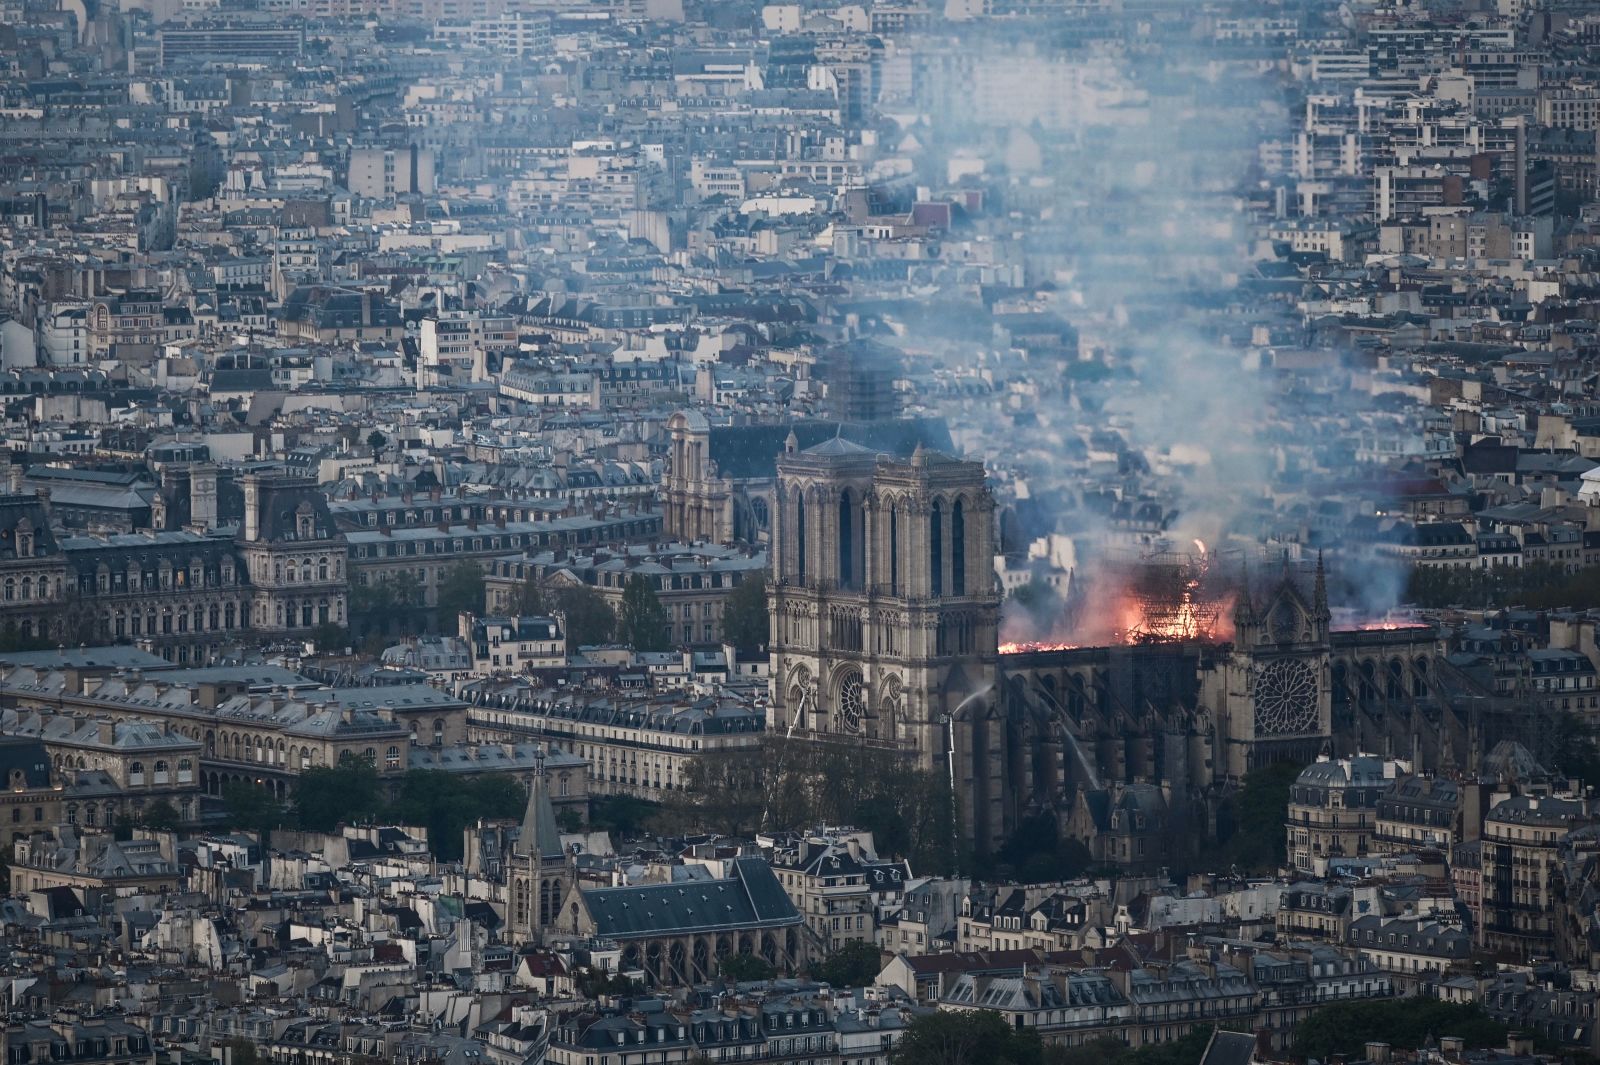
(1165, 597)
(1023, 647)
(1347, 620)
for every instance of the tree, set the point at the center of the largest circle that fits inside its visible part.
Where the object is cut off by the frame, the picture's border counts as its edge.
(1107, 1050)
(1573, 749)
(621, 815)
(587, 618)
(446, 803)
(239, 1051)
(531, 598)
(741, 968)
(161, 815)
(330, 637)
(251, 807)
(1346, 1027)
(722, 791)
(976, 1037)
(1037, 852)
(856, 964)
(642, 623)
(324, 798)
(1250, 825)
(460, 591)
(744, 615)
(377, 441)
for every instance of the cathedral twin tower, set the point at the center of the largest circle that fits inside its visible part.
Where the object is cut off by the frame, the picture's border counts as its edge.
(884, 613)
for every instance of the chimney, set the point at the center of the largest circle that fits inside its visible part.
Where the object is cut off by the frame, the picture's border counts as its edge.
(1519, 1044)
(1452, 1047)
(1378, 1053)
(108, 731)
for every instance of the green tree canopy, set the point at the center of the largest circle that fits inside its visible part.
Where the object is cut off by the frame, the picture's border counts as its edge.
(588, 620)
(1538, 586)
(744, 615)
(531, 600)
(1250, 825)
(642, 623)
(722, 789)
(975, 1037)
(856, 964)
(161, 815)
(446, 803)
(251, 807)
(460, 590)
(743, 967)
(791, 782)
(377, 441)
(1346, 1027)
(325, 798)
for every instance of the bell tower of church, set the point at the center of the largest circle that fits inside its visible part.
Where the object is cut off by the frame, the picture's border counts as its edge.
(884, 614)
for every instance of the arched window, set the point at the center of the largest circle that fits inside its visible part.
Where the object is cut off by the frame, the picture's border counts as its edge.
(322, 569)
(894, 550)
(11, 588)
(27, 588)
(936, 548)
(846, 573)
(800, 536)
(958, 550)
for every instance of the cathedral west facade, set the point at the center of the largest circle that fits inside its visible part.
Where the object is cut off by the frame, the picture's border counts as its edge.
(884, 613)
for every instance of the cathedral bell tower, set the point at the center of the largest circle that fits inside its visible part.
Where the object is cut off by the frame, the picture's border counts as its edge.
(884, 614)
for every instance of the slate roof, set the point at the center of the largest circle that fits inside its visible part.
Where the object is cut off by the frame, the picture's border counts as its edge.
(27, 756)
(750, 452)
(750, 898)
(1229, 1048)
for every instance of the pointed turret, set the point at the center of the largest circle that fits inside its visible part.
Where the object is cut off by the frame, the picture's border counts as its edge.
(1244, 611)
(1319, 605)
(540, 837)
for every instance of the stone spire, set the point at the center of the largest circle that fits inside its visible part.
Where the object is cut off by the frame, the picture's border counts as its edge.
(540, 837)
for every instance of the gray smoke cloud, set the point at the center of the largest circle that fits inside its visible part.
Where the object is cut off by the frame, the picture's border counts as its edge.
(1133, 223)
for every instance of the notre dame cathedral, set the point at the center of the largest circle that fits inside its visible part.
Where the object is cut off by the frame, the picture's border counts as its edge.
(884, 613)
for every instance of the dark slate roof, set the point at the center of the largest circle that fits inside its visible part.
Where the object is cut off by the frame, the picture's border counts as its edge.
(1229, 1048)
(750, 452)
(26, 756)
(750, 898)
(14, 511)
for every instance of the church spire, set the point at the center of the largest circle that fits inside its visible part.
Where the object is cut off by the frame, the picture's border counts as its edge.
(540, 837)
